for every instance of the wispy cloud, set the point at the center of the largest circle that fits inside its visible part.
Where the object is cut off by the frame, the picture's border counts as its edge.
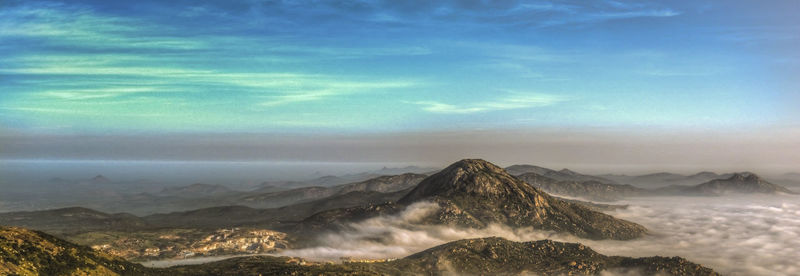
(513, 100)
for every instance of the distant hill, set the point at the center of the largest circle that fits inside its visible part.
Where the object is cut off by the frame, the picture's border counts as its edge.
(74, 220)
(742, 183)
(275, 218)
(747, 183)
(663, 179)
(27, 252)
(592, 190)
(383, 184)
(196, 190)
(562, 175)
(71, 220)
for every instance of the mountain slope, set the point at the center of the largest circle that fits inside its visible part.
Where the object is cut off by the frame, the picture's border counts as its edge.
(475, 193)
(26, 252)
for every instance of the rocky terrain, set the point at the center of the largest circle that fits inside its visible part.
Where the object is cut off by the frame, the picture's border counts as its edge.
(25, 252)
(183, 243)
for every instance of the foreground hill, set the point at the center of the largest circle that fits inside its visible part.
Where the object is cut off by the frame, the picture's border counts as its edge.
(545, 257)
(475, 193)
(26, 252)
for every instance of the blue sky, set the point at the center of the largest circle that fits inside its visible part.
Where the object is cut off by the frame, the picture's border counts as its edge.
(87, 67)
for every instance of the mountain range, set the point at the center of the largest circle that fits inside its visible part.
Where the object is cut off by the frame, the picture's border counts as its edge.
(470, 193)
(734, 183)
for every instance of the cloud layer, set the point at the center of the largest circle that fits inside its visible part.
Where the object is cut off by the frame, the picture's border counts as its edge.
(744, 235)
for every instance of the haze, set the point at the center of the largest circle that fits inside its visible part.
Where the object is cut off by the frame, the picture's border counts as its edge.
(612, 86)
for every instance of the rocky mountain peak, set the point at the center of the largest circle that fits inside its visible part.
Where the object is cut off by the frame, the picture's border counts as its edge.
(475, 193)
(474, 165)
(474, 177)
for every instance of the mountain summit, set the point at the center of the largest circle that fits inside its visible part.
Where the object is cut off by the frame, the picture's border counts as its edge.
(475, 193)
(468, 176)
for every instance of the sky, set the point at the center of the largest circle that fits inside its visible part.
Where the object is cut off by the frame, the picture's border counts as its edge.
(93, 79)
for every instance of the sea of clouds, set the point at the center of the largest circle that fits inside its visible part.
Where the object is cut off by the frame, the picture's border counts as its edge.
(734, 235)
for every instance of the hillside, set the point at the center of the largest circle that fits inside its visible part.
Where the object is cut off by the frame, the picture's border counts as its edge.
(27, 252)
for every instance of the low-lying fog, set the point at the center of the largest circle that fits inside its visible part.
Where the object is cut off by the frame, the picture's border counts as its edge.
(735, 235)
